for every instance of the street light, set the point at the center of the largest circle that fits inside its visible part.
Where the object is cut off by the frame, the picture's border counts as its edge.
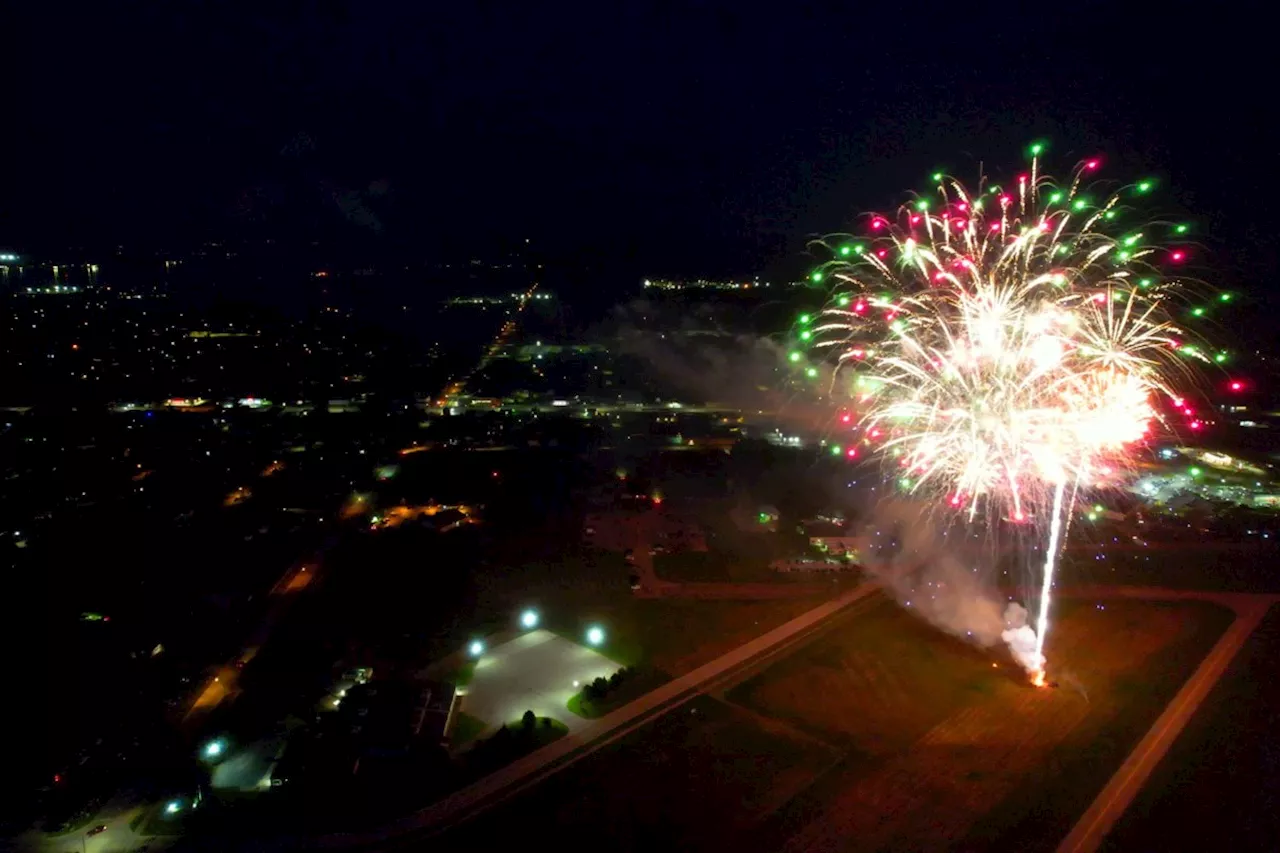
(595, 635)
(214, 748)
(173, 807)
(529, 619)
(476, 648)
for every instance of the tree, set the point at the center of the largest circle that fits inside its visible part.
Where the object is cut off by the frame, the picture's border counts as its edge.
(528, 720)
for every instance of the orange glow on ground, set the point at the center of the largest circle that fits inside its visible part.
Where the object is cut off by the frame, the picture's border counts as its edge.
(300, 580)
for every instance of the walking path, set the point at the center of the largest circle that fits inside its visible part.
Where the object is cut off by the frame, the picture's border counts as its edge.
(1097, 821)
(532, 767)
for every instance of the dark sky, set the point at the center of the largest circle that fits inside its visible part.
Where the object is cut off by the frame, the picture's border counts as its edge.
(712, 136)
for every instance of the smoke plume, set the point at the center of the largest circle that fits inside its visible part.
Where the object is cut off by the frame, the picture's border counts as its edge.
(1020, 637)
(904, 550)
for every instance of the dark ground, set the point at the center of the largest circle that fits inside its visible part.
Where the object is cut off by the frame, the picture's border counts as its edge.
(1216, 788)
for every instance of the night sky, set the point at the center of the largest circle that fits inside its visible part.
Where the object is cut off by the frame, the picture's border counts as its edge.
(676, 137)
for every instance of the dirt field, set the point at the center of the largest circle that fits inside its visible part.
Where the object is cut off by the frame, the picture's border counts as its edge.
(939, 740)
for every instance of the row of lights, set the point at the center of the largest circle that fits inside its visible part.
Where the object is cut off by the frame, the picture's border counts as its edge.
(529, 620)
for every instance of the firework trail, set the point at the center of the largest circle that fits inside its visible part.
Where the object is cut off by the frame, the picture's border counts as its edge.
(1007, 348)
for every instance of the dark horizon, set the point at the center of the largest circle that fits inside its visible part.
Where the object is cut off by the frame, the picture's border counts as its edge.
(713, 140)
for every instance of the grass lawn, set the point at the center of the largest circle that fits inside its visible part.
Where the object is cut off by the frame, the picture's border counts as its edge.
(1223, 771)
(1193, 564)
(465, 729)
(461, 676)
(678, 783)
(943, 749)
(876, 684)
(1136, 680)
(715, 566)
(675, 635)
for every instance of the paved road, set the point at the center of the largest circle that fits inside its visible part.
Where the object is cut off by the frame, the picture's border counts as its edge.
(224, 681)
(538, 764)
(1097, 821)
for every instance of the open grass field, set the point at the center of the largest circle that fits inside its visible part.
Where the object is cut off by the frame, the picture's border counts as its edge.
(957, 754)
(877, 684)
(676, 636)
(1220, 783)
(883, 734)
(683, 782)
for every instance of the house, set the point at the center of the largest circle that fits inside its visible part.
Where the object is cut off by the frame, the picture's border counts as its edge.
(838, 546)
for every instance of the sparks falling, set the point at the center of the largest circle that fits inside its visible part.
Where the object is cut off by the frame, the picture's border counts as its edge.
(1005, 349)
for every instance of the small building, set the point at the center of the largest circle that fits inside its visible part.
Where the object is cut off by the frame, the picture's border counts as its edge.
(812, 564)
(837, 546)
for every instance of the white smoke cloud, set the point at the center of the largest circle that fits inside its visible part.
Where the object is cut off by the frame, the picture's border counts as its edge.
(1020, 637)
(904, 550)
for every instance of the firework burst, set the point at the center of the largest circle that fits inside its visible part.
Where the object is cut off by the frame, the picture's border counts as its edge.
(1008, 347)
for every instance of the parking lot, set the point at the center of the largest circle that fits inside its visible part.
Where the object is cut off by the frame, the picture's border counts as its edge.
(538, 671)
